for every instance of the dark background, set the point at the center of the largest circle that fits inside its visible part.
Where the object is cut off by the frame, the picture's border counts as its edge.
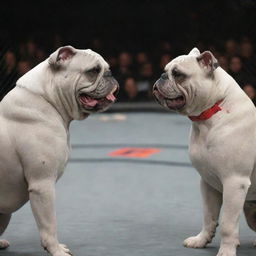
(113, 27)
(133, 25)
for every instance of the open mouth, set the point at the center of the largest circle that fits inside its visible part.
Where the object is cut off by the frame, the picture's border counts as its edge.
(176, 103)
(92, 103)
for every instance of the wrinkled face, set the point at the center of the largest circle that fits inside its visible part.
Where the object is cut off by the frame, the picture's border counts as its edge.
(97, 88)
(101, 92)
(186, 81)
(88, 77)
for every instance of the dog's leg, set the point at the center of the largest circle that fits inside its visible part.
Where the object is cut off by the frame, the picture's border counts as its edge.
(250, 215)
(212, 201)
(42, 199)
(234, 194)
(4, 221)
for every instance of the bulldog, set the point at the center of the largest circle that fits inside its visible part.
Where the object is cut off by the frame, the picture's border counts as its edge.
(34, 134)
(222, 142)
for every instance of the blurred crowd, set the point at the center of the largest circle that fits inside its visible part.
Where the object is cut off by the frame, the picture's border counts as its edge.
(136, 71)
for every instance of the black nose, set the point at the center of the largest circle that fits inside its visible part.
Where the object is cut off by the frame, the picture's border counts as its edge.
(164, 76)
(107, 73)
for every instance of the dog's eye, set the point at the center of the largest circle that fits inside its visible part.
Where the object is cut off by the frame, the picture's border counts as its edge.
(177, 74)
(94, 71)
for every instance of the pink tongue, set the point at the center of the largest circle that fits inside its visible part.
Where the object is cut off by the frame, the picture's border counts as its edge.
(111, 97)
(89, 101)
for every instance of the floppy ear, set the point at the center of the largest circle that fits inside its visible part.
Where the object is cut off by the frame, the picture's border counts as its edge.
(194, 52)
(63, 54)
(207, 61)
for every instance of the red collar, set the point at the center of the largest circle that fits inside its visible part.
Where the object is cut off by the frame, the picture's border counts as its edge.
(208, 113)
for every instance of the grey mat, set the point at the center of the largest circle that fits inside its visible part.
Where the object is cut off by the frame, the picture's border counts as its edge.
(113, 207)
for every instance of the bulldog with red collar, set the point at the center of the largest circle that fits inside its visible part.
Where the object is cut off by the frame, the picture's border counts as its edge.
(34, 133)
(222, 142)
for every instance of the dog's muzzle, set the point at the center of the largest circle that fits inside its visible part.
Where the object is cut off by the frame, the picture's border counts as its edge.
(103, 96)
(166, 96)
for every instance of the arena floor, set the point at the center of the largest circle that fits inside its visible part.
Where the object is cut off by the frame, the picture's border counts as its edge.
(123, 205)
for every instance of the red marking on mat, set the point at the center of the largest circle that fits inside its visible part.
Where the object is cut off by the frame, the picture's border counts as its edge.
(134, 152)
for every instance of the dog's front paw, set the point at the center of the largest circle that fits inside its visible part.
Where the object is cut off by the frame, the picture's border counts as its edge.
(65, 249)
(198, 241)
(4, 244)
(62, 251)
(227, 251)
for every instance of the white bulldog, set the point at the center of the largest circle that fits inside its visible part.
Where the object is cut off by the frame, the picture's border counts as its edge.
(34, 133)
(222, 142)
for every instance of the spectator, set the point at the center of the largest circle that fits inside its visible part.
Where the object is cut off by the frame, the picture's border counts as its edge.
(239, 62)
(125, 60)
(246, 49)
(23, 67)
(9, 74)
(40, 55)
(124, 66)
(248, 58)
(141, 58)
(223, 62)
(22, 49)
(164, 60)
(10, 62)
(113, 63)
(31, 52)
(130, 90)
(250, 91)
(235, 70)
(231, 48)
(146, 80)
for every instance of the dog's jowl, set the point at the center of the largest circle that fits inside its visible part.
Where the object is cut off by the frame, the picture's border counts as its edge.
(222, 142)
(34, 133)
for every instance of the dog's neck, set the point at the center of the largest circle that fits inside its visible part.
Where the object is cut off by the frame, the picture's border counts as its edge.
(229, 100)
(221, 88)
(208, 113)
(39, 82)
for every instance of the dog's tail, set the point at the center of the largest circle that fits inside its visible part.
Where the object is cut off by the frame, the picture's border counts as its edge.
(250, 214)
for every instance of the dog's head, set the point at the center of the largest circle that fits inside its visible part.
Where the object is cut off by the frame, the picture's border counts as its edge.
(188, 83)
(85, 75)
